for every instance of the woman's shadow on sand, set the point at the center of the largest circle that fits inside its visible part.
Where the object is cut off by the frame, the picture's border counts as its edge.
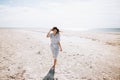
(50, 75)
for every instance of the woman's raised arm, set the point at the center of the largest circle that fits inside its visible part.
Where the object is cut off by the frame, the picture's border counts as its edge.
(48, 34)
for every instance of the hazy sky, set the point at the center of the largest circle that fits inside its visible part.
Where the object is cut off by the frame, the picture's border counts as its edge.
(75, 14)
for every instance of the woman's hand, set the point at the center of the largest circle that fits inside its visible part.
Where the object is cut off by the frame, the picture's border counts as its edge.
(51, 29)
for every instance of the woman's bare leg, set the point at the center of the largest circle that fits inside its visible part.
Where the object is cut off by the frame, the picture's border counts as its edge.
(55, 60)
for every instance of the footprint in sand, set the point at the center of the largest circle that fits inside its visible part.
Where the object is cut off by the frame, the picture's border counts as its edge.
(83, 78)
(18, 76)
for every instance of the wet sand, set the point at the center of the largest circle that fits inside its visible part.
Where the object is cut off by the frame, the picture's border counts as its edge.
(25, 55)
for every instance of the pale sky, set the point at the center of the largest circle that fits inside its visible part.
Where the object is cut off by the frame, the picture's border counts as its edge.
(77, 14)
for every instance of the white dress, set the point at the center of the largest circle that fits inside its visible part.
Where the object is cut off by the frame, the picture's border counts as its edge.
(54, 44)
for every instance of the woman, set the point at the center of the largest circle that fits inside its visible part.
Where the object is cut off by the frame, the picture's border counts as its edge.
(55, 43)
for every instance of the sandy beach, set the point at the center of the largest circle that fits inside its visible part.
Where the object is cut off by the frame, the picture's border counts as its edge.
(25, 55)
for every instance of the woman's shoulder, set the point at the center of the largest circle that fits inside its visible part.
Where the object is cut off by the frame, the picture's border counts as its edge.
(51, 33)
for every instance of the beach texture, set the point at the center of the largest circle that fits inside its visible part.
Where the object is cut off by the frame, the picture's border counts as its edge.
(25, 55)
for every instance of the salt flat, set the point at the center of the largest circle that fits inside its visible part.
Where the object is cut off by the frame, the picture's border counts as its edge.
(25, 55)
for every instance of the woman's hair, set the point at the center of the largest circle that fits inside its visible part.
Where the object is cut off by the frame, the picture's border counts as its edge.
(56, 29)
